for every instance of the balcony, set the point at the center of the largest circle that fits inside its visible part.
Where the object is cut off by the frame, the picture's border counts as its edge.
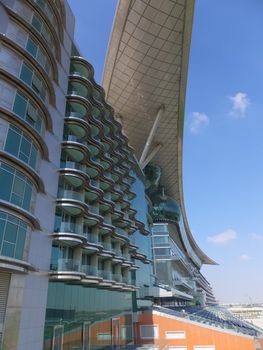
(106, 275)
(89, 270)
(69, 194)
(65, 265)
(72, 165)
(73, 138)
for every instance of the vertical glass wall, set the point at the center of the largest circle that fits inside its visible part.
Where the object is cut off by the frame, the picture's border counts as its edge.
(82, 317)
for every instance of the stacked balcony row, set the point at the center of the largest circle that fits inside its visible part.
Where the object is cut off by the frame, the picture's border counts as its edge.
(94, 214)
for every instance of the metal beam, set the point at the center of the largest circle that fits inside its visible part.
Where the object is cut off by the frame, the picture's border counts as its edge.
(151, 155)
(151, 135)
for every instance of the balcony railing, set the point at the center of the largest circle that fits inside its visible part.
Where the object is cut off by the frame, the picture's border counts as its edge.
(73, 138)
(72, 165)
(107, 275)
(69, 194)
(69, 227)
(117, 277)
(65, 265)
(89, 270)
(75, 114)
(106, 246)
(121, 232)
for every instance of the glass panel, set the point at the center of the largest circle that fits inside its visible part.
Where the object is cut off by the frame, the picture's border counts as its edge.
(7, 179)
(31, 47)
(20, 243)
(20, 105)
(86, 336)
(10, 232)
(8, 249)
(36, 23)
(13, 141)
(26, 74)
(57, 338)
(27, 196)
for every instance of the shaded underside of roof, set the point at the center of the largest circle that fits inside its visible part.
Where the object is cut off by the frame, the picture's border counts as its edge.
(146, 68)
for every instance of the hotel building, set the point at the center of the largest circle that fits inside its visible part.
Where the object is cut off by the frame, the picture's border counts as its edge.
(94, 240)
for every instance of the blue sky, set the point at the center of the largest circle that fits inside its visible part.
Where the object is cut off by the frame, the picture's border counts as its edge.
(223, 170)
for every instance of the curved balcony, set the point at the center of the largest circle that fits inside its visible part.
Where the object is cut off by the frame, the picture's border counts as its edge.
(79, 66)
(106, 251)
(71, 201)
(66, 269)
(106, 204)
(68, 234)
(76, 127)
(106, 278)
(74, 150)
(94, 168)
(74, 172)
(92, 218)
(91, 274)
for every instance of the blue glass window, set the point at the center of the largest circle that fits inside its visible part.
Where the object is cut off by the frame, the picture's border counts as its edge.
(21, 146)
(28, 111)
(17, 188)
(12, 236)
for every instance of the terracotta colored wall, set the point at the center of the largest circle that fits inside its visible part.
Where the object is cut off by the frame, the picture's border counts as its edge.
(195, 334)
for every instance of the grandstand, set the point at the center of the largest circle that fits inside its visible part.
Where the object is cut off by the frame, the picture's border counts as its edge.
(214, 316)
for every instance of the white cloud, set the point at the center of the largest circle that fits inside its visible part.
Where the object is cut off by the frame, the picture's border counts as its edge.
(223, 237)
(198, 121)
(256, 237)
(240, 102)
(244, 257)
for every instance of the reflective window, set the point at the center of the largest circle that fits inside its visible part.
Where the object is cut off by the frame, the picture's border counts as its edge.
(57, 343)
(12, 236)
(31, 78)
(162, 251)
(43, 30)
(33, 48)
(17, 188)
(48, 11)
(21, 146)
(161, 240)
(28, 111)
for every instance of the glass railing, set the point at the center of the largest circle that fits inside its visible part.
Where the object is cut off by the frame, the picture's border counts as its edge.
(73, 138)
(175, 250)
(121, 232)
(107, 196)
(93, 238)
(94, 209)
(117, 277)
(95, 183)
(106, 246)
(76, 93)
(69, 194)
(105, 274)
(126, 280)
(65, 265)
(117, 252)
(75, 114)
(72, 165)
(89, 270)
(69, 227)
(107, 220)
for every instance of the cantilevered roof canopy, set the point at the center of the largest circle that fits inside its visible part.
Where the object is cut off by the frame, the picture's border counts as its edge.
(146, 68)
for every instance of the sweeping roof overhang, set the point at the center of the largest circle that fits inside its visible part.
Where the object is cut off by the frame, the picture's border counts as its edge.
(146, 67)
